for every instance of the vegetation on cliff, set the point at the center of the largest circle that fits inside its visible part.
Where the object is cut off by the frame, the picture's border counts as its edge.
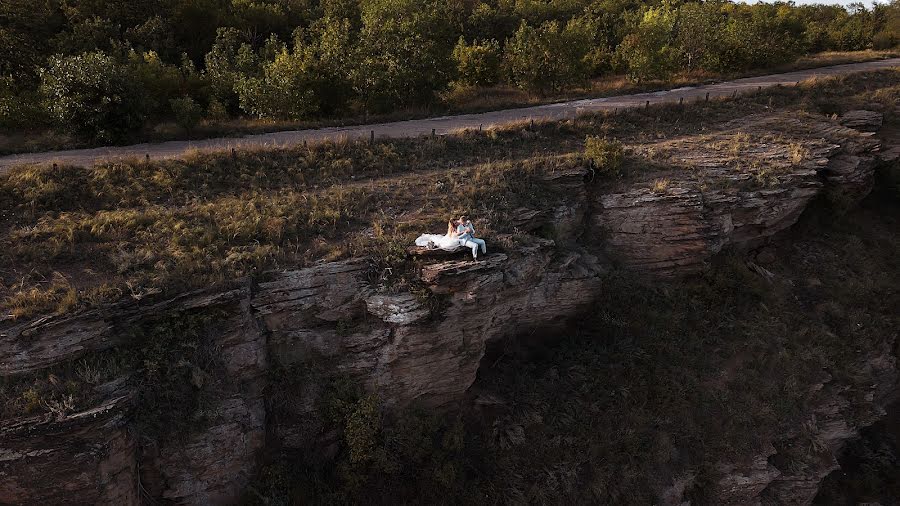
(79, 237)
(661, 382)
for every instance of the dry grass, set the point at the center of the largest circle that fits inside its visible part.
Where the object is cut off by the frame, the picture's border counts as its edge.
(797, 153)
(660, 185)
(57, 296)
(137, 228)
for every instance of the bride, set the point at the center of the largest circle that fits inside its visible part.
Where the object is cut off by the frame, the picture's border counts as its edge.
(448, 242)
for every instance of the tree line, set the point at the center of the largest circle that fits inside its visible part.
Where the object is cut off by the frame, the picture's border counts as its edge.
(102, 69)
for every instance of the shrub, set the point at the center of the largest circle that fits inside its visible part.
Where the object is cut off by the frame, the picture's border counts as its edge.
(157, 81)
(187, 112)
(19, 109)
(216, 111)
(606, 155)
(93, 95)
(477, 64)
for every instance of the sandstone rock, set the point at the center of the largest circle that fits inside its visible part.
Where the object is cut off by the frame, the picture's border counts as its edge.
(866, 121)
(85, 458)
(218, 457)
(33, 345)
(215, 461)
(736, 188)
(403, 309)
(742, 485)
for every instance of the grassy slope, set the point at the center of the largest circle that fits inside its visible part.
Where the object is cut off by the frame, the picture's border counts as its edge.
(81, 236)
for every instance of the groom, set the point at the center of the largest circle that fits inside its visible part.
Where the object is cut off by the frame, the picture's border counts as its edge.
(466, 233)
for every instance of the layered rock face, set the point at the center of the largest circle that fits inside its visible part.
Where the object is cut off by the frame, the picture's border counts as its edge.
(790, 471)
(735, 188)
(86, 458)
(330, 313)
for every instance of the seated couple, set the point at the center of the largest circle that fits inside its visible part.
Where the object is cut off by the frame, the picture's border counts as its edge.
(460, 233)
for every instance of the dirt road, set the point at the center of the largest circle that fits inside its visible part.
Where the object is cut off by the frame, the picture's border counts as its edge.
(438, 125)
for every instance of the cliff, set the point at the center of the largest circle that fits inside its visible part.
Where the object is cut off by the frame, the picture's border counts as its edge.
(735, 188)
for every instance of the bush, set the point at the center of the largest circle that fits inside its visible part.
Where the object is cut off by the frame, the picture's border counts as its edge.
(606, 155)
(187, 112)
(548, 58)
(478, 64)
(216, 112)
(885, 40)
(287, 90)
(93, 95)
(158, 82)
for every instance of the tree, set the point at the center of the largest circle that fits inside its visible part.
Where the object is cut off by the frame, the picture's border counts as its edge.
(698, 27)
(187, 112)
(403, 55)
(888, 17)
(548, 58)
(477, 64)
(93, 95)
(229, 58)
(157, 81)
(26, 28)
(650, 52)
(20, 107)
(288, 88)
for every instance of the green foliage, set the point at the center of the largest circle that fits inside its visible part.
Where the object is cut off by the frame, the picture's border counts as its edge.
(531, 66)
(698, 27)
(649, 52)
(606, 155)
(287, 89)
(402, 56)
(354, 57)
(756, 37)
(20, 108)
(228, 60)
(887, 17)
(175, 373)
(188, 113)
(166, 362)
(92, 94)
(477, 64)
(363, 423)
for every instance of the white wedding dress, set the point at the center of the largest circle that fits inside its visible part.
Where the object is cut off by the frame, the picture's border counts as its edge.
(437, 241)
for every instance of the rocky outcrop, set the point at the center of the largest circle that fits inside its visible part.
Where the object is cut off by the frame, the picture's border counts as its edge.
(864, 121)
(84, 458)
(736, 188)
(810, 452)
(398, 344)
(405, 347)
(210, 465)
(214, 464)
(791, 470)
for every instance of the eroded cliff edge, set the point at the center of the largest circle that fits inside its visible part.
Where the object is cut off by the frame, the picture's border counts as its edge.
(426, 347)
